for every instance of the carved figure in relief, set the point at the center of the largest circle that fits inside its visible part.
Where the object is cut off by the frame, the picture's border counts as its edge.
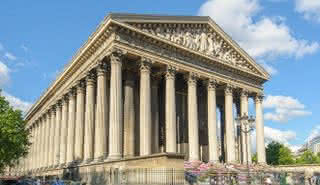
(217, 47)
(210, 45)
(197, 40)
(159, 32)
(203, 42)
(188, 41)
(168, 34)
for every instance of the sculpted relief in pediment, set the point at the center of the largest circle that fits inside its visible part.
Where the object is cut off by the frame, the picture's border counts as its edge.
(199, 38)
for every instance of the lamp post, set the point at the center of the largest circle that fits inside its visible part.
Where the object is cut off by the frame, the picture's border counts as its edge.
(246, 125)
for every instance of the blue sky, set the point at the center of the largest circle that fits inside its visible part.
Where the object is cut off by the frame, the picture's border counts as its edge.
(37, 38)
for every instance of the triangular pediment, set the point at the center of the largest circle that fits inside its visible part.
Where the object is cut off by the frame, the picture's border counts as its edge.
(196, 33)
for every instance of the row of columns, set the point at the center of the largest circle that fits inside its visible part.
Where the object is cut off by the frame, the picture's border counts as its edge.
(84, 125)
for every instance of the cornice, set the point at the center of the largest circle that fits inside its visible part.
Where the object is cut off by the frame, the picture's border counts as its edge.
(180, 48)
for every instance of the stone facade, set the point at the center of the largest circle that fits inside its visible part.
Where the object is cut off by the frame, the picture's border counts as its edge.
(143, 92)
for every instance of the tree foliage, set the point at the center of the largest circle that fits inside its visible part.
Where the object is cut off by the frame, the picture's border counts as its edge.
(14, 142)
(308, 157)
(278, 154)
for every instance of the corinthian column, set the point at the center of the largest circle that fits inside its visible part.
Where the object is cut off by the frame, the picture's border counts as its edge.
(115, 126)
(145, 108)
(52, 141)
(212, 122)
(42, 138)
(261, 153)
(79, 122)
(89, 118)
(170, 116)
(244, 140)
(129, 116)
(230, 157)
(71, 127)
(64, 131)
(155, 115)
(193, 122)
(101, 126)
(57, 134)
(47, 139)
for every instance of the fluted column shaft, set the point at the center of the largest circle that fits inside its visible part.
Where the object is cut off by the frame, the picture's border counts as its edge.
(89, 119)
(71, 127)
(170, 112)
(43, 139)
(261, 153)
(212, 122)
(129, 117)
(155, 115)
(193, 123)
(115, 126)
(48, 136)
(79, 135)
(244, 139)
(230, 158)
(57, 135)
(37, 147)
(145, 110)
(39, 139)
(52, 138)
(31, 155)
(64, 131)
(101, 126)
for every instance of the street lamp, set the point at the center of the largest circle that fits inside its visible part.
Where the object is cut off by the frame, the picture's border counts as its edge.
(246, 125)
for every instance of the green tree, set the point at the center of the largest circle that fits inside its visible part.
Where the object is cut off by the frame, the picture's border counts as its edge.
(285, 156)
(308, 157)
(272, 153)
(14, 142)
(278, 154)
(254, 158)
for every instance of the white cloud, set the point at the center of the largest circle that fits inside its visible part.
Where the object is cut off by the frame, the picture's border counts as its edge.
(270, 69)
(285, 108)
(309, 8)
(272, 134)
(261, 37)
(10, 56)
(17, 103)
(4, 74)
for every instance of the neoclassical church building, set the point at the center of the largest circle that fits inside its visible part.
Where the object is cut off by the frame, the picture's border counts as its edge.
(147, 91)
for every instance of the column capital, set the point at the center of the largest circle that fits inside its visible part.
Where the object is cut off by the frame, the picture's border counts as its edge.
(90, 78)
(64, 99)
(228, 90)
(170, 72)
(244, 93)
(53, 108)
(212, 84)
(58, 103)
(145, 65)
(80, 86)
(192, 78)
(117, 55)
(258, 98)
(102, 68)
(71, 93)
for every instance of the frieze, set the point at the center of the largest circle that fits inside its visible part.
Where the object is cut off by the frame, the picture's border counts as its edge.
(199, 38)
(159, 49)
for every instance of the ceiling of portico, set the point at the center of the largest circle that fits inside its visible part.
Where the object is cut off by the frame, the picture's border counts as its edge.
(195, 33)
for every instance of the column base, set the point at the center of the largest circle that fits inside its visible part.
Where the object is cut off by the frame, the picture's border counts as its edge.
(113, 157)
(62, 165)
(87, 161)
(128, 156)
